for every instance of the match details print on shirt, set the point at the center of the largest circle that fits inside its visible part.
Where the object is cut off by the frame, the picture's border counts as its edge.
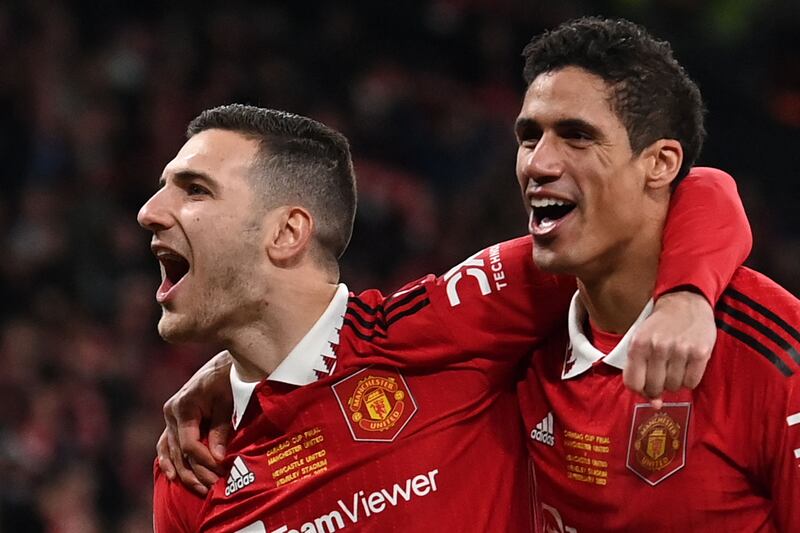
(300, 456)
(587, 457)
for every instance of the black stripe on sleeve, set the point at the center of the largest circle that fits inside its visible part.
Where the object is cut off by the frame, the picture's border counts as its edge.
(761, 328)
(362, 336)
(363, 321)
(381, 317)
(410, 311)
(755, 345)
(404, 299)
(367, 309)
(736, 295)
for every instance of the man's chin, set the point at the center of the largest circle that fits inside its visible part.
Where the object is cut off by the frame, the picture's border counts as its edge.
(175, 331)
(548, 260)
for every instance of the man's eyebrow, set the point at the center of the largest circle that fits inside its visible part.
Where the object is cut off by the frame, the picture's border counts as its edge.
(578, 124)
(525, 123)
(184, 176)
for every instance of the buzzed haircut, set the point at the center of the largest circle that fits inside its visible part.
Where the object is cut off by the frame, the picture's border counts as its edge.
(651, 93)
(301, 161)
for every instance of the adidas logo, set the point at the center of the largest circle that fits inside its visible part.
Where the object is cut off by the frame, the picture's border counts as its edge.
(240, 477)
(543, 432)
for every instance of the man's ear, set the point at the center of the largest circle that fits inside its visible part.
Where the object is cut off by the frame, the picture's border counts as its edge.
(290, 237)
(664, 158)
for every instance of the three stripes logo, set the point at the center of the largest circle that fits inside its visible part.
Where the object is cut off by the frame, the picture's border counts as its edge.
(367, 322)
(543, 432)
(760, 328)
(240, 477)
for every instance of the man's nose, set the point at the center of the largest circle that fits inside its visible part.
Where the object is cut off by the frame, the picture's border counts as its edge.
(154, 215)
(545, 162)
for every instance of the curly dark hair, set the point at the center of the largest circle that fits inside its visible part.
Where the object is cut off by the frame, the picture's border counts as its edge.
(650, 92)
(301, 160)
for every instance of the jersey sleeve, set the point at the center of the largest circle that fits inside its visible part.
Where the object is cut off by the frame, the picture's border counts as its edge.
(495, 304)
(785, 469)
(706, 236)
(781, 449)
(175, 508)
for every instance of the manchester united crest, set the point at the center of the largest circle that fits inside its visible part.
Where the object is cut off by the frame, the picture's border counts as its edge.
(657, 445)
(376, 403)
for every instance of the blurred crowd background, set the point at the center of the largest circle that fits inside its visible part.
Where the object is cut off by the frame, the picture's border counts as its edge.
(95, 98)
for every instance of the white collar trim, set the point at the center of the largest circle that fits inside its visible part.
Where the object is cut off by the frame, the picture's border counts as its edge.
(312, 358)
(581, 355)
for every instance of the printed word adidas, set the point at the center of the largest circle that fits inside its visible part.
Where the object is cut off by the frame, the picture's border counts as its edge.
(240, 477)
(543, 432)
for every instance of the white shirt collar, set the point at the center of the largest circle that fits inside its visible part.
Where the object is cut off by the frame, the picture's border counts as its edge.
(581, 355)
(312, 358)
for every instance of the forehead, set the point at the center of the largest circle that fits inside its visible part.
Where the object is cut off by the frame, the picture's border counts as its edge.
(570, 92)
(214, 152)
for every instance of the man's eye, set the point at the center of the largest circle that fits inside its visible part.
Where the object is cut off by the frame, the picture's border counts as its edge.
(193, 190)
(578, 135)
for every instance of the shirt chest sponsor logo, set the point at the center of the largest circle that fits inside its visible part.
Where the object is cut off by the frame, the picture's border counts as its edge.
(376, 404)
(657, 443)
(360, 506)
(793, 420)
(552, 521)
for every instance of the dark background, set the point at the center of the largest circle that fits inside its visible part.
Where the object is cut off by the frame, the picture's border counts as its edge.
(95, 98)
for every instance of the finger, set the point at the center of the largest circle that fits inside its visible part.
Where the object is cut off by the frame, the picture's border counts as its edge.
(635, 371)
(204, 475)
(676, 370)
(695, 369)
(220, 430)
(169, 415)
(657, 403)
(164, 460)
(199, 454)
(218, 440)
(188, 438)
(656, 374)
(185, 473)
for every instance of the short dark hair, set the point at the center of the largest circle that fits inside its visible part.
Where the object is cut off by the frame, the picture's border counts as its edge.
(650, 92)
(301, 160)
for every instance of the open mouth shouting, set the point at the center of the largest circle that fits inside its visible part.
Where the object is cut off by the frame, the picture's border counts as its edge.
(174, 268)
(547, 213)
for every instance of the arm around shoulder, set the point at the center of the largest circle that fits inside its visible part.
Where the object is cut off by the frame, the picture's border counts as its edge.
(707, 235)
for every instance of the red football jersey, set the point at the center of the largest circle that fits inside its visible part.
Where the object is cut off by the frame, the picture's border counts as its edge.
(405, 417)
(723, 457)
(410, 423)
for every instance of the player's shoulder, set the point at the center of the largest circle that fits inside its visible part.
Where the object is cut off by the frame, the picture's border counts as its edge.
(504, 264)
(708, 173)
(370, 313)
(761, 320)
(496, 287)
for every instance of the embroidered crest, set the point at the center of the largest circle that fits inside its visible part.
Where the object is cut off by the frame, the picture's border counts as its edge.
(657, 445)
(376, 403)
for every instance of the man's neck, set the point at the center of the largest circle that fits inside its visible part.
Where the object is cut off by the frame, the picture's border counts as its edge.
(615, 303)
(257, 348)
(615, 295)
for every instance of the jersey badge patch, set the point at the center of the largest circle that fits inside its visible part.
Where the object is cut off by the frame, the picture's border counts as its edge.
(657, 444)
(376, 403)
